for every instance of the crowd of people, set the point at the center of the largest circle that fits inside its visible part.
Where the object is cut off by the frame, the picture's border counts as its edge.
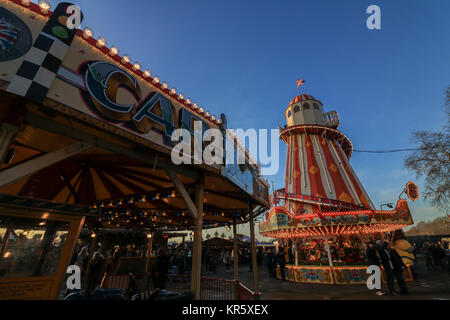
(107, 262)
(355, 252)
(212, 257)
(435, 256)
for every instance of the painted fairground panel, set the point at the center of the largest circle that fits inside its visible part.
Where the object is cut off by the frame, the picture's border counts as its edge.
(407, 275)
(311, 274)
(277, 218)
(290, 273)
(348, 275)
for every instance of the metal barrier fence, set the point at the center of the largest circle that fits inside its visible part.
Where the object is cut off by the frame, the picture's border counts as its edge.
(244, 293)
(178, 283)
(212, 288)
(216, 289)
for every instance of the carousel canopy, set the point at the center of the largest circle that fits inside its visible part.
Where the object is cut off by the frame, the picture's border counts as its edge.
(81, 125)
(281, 224)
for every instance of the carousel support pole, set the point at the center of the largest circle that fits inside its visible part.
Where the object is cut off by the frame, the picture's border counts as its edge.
(235, 250)
(7, 135)
(253, 248)
(147, 259)
(197, 248)
(5, 242)
(88, 267)
(296, 252)
(235, 259)
(327, 249)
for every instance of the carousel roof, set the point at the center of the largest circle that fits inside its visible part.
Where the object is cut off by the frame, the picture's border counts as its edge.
(302, 97)
(280, 223)
(104, 164)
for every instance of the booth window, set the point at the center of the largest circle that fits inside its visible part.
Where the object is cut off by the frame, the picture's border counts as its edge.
(306, 106)
(296, 109)
(316, 106)
(289, 114)
(30, 247)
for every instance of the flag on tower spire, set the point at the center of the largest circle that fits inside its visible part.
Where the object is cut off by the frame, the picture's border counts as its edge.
(299, 84)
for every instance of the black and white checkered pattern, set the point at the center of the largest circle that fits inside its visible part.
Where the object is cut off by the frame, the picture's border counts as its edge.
(39, 68)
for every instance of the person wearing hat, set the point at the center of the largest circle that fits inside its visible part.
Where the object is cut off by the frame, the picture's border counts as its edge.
(372, 257)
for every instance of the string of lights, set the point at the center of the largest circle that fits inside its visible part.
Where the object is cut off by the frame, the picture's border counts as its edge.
(385, 151)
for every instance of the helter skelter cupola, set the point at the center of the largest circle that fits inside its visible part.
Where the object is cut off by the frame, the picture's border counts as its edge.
(319, 177)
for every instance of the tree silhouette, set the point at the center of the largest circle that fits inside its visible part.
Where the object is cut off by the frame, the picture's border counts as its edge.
(432, 160)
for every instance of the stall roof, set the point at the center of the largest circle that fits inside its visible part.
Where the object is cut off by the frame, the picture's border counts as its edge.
(70, 148)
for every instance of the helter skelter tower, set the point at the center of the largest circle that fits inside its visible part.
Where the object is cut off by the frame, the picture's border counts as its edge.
(319, 177)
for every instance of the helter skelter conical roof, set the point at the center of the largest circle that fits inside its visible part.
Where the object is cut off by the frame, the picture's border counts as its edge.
(323, 194)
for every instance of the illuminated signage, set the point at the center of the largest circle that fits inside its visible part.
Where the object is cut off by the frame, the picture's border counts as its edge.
(154, 112)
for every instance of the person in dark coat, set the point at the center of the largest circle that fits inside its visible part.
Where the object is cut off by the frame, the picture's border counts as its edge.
(438, 255)
(259, 256)
(270, 264)
(393, 266)
(281, 261)
(428, 256)
(372, 257)
(291, 256)
(160, 270)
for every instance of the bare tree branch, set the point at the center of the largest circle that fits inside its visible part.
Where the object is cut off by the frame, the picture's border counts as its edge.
(432, 160)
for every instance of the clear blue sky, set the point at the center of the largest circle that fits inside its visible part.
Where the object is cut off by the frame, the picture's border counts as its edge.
(243, 58)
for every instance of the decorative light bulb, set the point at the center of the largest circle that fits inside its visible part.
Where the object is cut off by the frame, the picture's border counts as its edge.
(213, 118)
(173, 91)
(88, 33)
(180, 96)
(44, 6)
(136, 66)
(195, 105)
(113, 51)
(147, 74)
(188, 101)
(125, 59)
(164, 85)
(207, 114)
(26, 3)
(155, 80)
(201, 110)
(101, 42)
